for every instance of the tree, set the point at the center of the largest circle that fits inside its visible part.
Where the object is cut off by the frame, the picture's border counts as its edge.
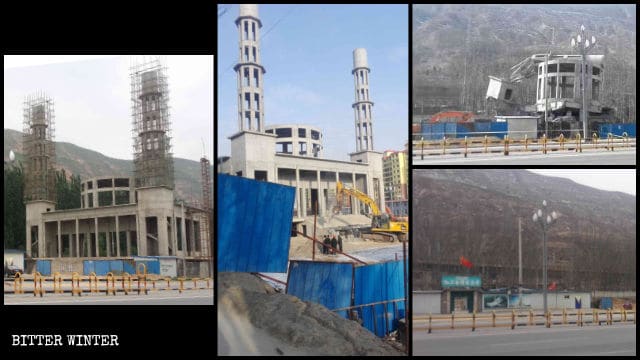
(14, 208)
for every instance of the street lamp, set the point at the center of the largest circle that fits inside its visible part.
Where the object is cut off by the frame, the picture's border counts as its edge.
(583, 44)
(545, 220)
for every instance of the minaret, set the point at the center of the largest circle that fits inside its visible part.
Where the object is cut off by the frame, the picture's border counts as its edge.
(362, 105)
(153, 161)
(252, 148)
(249, 70)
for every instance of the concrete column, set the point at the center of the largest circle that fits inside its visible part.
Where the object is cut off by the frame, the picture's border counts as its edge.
(128, 235)
(97, 242)
(113, 194)
(141, 237)
(87, 241)
(183, 234)
(355, 207)
(77, 238)
(108, 239)
(59, 240)
(117, 237)
(95, 196)
(192, 240)
(320, 197)
(42, 240)
(29, 240)
(163, 236)
(174, 235)
(297, 197)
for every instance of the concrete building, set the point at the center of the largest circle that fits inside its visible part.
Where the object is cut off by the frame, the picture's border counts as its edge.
(292, 154)
(395, 167)
(124, 217)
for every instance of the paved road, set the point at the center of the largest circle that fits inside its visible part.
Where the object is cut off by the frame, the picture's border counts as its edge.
(190, 297)
(622, 157)
(603, 340)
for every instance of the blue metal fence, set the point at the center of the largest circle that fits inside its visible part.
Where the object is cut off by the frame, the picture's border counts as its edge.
(325, 283)
(617, 130)
(378, 283)
(43, 267)
(254, 225)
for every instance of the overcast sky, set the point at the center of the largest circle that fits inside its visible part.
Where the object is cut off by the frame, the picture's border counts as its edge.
(307, 52)
(93, 103)
(623, 180)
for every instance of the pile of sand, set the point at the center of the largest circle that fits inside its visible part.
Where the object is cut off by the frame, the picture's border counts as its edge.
(254, 319)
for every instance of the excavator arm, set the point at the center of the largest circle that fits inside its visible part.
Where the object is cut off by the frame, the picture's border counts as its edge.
(341, 190)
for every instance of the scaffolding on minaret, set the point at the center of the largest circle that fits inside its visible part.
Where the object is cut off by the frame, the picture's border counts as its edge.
(207, 206)
(151, 127)
(39, 148)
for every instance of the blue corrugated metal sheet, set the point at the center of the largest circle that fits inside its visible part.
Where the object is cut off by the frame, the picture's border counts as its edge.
(617, 130)
(498, 129)
(88, 266)
(325, 283)
(254, 225)
(129, 266)
(101, 267)
(116, 267)
(43, 267)
(380, 282)
(481, 127)
(606, 303)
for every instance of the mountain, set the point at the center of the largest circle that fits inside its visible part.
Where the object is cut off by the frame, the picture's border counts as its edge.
(474, 213)
(456, 47)
(88, 163)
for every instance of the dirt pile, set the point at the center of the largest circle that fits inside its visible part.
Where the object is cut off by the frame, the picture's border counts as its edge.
(255, 319)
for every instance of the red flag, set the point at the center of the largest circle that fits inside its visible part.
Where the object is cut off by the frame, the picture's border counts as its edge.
(465, 262)
(553, 285)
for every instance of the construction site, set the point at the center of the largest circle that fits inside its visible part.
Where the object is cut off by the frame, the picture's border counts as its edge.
(305, 198)
(125, 225)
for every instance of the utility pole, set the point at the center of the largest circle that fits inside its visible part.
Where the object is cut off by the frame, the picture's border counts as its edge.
(583, 44)
(520, 260)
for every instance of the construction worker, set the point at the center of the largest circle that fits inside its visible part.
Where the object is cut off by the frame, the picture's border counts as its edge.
(339, 242)
(334, 244)
(327, 241)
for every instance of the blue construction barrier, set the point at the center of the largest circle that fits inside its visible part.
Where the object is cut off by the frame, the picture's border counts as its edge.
(377, 283)
(43, 267)
(617, 130)
(254, 225)
(325, 283)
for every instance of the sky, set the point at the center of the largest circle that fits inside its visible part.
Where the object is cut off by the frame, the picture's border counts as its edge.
(92, 100)
(623, 180)
(307, 52)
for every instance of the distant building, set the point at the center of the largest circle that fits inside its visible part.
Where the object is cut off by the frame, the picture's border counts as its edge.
(395, 167)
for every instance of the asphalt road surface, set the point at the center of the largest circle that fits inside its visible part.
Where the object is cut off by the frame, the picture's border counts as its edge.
(622, 157)
(190, 297)
(615, 340)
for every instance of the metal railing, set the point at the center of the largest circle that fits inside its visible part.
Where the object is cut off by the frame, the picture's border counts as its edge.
(484, 145)
(511, 319)
(93, 284)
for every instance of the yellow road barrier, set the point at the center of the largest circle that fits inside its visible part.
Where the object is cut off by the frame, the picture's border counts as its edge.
(111, 279)
(37, 284)
(57, 283)
(128, 278)
(75, 284)
(93, 282)
(17, 283)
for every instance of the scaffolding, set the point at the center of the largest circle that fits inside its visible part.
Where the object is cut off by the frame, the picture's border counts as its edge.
(39, 147)
(205, 235)
(152, 154)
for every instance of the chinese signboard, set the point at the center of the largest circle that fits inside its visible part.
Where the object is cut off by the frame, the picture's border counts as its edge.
(449, 281)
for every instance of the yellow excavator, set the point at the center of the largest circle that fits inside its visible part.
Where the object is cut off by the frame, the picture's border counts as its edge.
(383, 226)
